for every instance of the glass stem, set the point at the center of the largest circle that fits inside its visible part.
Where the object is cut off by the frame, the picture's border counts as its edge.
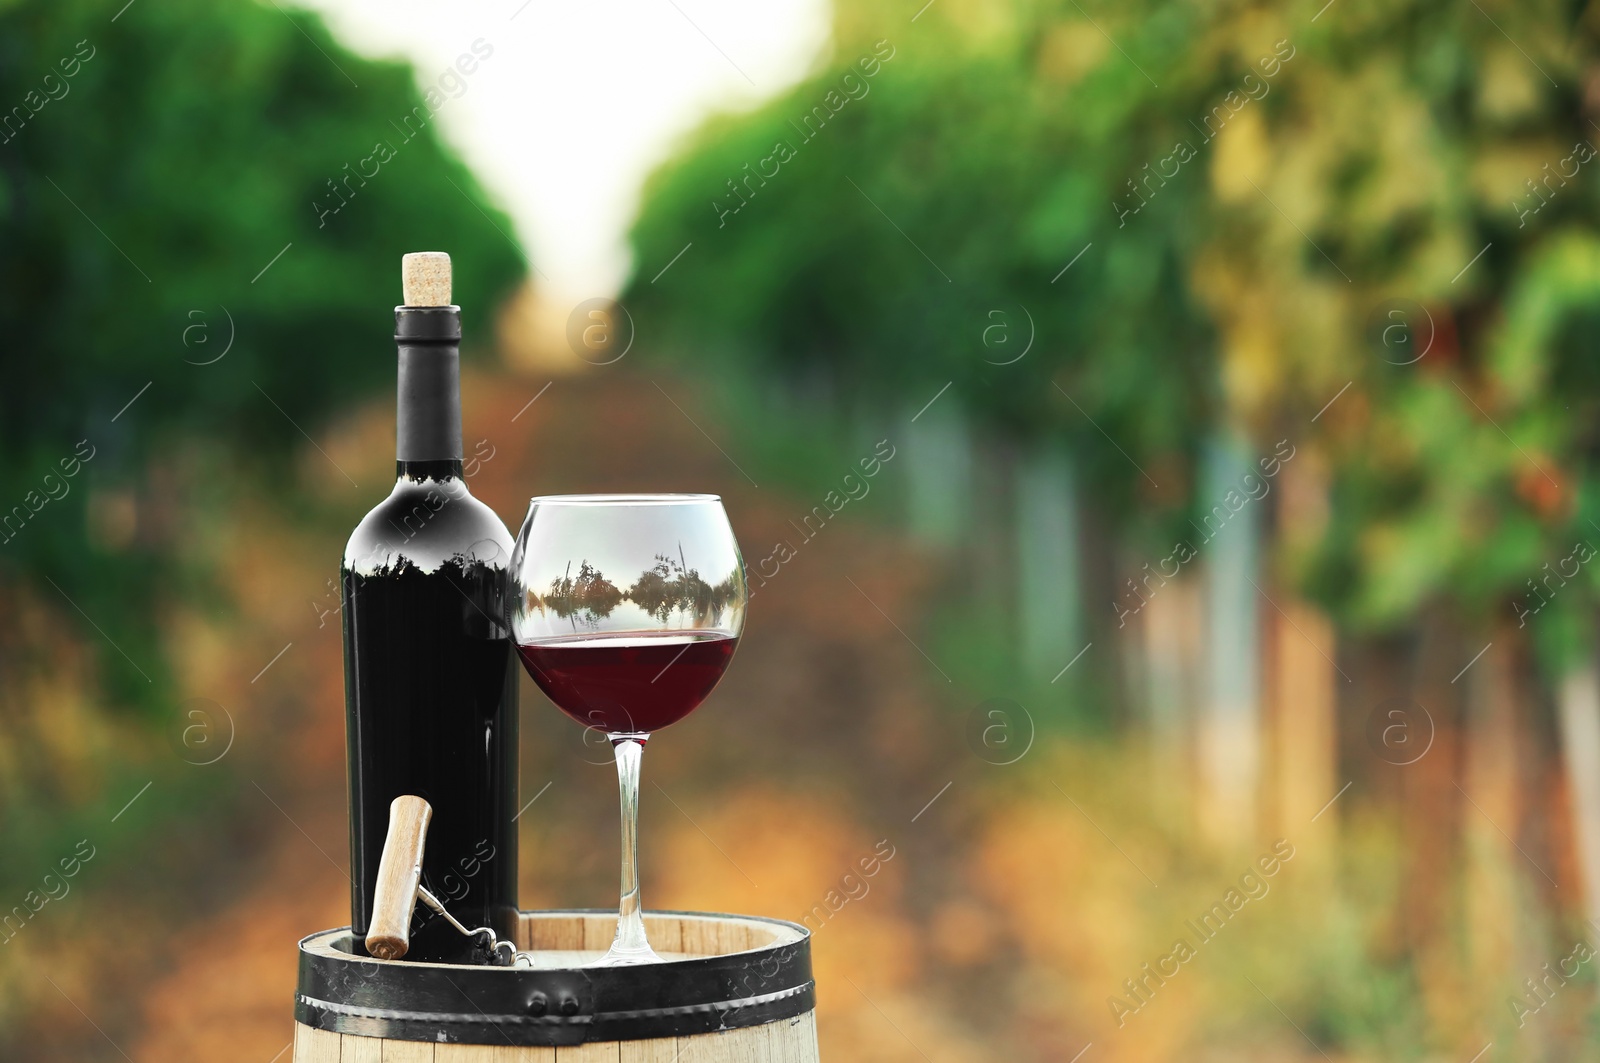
(630, 945)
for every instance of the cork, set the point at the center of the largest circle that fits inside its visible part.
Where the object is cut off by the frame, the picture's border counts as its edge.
(425, 278)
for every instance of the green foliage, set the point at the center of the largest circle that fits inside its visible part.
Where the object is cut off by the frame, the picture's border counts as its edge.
(193, 145)
(907, 242)
(1329, 165)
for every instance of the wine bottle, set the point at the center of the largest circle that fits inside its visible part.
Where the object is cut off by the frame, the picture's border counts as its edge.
(430, 670)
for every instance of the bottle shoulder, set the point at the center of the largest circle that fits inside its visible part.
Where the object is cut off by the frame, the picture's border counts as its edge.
(424, 524)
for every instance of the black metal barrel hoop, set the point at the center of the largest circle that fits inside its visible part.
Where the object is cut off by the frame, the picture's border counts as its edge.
(739, 984)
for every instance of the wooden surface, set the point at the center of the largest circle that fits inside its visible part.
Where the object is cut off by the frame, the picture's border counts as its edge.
(784, 1041)
(563, 939)
(399, 874)
(566, 940)
(676, 935)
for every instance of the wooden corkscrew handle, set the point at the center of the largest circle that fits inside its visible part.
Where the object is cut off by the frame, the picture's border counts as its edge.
(399, 876)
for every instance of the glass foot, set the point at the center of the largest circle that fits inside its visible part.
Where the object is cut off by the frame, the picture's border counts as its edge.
(621, 957)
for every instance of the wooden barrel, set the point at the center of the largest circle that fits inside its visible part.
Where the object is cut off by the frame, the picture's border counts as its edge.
(730, 989)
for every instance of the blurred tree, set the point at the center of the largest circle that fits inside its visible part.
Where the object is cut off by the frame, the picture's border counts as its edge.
(180, 180)
(920, 235)
(1246, 230)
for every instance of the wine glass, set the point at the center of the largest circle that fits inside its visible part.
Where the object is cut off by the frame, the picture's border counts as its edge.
(626, 610)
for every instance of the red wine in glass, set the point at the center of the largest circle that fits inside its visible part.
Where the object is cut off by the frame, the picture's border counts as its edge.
(629, 682)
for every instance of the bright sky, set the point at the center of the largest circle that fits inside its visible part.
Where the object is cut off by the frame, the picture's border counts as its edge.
(580, 99)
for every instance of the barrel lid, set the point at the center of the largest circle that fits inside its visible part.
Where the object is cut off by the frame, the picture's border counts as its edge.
(342, 992)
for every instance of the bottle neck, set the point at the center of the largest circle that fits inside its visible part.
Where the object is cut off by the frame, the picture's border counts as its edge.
(428, 396)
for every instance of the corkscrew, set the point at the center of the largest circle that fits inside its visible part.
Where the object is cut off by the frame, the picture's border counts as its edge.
(400, 887)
